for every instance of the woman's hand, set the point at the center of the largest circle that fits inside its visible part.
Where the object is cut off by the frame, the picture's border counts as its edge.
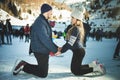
(57, 53)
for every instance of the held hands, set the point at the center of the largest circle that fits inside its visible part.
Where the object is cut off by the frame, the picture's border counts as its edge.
(58, 52)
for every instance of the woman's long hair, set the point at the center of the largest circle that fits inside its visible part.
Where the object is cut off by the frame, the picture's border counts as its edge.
(79, 25)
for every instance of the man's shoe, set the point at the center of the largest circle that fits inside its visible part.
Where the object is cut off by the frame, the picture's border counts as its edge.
(18, 66)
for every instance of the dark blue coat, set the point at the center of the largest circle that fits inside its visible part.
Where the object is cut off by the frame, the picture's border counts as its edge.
(41, 36)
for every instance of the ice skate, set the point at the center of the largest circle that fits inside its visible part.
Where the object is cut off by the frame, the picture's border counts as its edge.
(19, 64)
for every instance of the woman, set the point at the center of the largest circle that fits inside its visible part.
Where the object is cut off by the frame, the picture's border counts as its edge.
(74, 41)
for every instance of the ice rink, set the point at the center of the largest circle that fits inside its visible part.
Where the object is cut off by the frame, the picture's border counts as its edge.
(59, 67)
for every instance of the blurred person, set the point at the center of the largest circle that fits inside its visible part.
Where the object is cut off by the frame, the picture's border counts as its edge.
(30, 50)
(0, 33)
(117, 49)
(101, 34)
(27, 32)
(41, 45)
(75, 42)
(21, 32)
(87, 29)
(118, 33)
(8, 31)
(93, 33)
(97, 34)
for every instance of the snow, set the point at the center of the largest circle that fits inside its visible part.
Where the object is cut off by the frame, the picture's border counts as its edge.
(69, 1)
(14, 21)
(98, 18)
(65, 14)
(101, 20)
(59, 67)
(29, 19)
(73, 1)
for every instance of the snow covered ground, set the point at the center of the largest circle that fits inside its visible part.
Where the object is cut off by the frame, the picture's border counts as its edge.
(59, 67)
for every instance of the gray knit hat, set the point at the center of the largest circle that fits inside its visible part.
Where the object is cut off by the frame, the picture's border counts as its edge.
(78, 13)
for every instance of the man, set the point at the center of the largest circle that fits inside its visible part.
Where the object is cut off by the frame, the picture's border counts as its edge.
(41, 45)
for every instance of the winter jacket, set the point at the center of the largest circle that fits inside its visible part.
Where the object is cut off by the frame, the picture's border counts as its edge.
(41, 36)
(74, 41)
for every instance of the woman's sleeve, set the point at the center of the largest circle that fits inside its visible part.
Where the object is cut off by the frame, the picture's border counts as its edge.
(69, 44)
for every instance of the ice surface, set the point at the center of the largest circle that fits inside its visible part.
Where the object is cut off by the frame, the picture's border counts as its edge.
(59, 67)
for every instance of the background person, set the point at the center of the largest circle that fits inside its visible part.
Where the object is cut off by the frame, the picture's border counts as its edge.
(117, 49)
